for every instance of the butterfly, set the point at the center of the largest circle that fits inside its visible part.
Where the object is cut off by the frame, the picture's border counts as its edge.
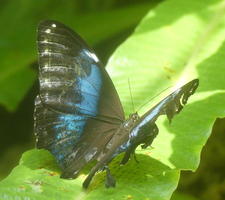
(78, 115)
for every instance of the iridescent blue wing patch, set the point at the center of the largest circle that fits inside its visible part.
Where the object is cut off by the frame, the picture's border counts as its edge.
(75, 90)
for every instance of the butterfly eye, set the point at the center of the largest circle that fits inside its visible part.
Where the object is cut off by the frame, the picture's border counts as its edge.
(135, 117)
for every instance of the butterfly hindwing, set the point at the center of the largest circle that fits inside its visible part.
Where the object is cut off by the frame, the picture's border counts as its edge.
(74, 91)
(146, 130)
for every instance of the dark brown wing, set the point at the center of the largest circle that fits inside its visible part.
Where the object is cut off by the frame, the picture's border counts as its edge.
(77, 103)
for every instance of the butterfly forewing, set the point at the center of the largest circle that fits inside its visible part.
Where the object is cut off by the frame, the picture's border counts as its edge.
(172, 104)
(77, 101)
(145, 129)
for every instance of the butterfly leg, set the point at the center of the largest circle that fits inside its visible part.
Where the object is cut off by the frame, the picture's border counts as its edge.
(126, 157)
(110, 181)
(129, 151)
(89, 178)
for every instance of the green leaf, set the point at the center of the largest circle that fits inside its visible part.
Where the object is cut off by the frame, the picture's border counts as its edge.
(37, 177)
(18, 38)
(177, 41)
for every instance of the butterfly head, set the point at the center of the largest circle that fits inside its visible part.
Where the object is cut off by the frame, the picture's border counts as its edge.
(134, 117)
(131, 121)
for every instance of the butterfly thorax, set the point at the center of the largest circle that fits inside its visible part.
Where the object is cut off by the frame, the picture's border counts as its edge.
(120, 136)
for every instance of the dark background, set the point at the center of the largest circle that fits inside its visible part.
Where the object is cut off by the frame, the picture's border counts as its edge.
(16, 126)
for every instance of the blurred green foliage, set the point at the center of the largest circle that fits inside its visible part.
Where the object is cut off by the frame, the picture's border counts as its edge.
(176, 34)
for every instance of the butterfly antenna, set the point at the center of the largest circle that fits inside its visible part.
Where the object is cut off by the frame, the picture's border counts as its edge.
(153, 97)
(131, 95)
